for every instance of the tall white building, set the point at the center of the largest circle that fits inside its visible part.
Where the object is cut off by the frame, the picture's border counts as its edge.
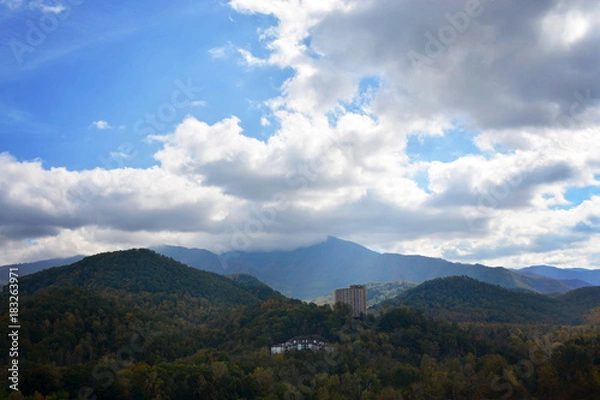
(355, 295)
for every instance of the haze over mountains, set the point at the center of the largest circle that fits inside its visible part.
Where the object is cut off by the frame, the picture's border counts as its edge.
(591, 277)
(313, 271)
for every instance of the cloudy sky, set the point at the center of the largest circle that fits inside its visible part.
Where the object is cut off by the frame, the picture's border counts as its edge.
(467, 130)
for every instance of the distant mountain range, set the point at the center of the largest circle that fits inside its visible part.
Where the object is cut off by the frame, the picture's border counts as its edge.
(145, 280)
(314, 271)
(584, 277)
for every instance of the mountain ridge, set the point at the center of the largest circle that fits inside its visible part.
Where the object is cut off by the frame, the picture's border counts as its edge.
(589, 276)
(315, 270)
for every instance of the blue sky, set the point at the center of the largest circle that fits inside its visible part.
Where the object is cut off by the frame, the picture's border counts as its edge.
(254, 124)
(453, 144)
(119, 69)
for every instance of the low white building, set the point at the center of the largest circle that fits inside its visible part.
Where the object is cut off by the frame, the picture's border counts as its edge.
(307, 342)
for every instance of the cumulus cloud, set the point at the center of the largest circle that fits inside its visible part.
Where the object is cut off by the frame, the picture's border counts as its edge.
(123, 199)
(491, 66)
(523, 77)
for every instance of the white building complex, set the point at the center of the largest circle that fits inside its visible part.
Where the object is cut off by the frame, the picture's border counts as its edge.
(308, 342)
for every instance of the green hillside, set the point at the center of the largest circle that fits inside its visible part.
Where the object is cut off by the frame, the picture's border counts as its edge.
(139, 271)
(254, 286)
(146, 281)
(466, 299)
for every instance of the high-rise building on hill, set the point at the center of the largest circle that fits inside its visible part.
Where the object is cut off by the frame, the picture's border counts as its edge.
(355, 295)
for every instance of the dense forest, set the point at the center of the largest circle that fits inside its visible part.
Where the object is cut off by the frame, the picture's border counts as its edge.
(136, 325)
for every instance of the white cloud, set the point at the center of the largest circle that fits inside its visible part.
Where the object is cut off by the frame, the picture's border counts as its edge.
(101, 125)
(250, 59)
(338, 162)
(353, 181)
(564, 29)
(198, 103)
(51, 7)
(43, 6)
(218, 52)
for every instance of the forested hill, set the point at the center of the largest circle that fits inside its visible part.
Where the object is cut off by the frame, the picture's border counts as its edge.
(465, 299)
(140, 271)
(254, 286)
